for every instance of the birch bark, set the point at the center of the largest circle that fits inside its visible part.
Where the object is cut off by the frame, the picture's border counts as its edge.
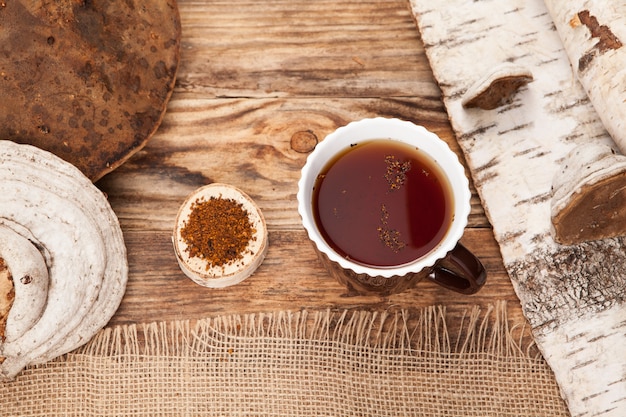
(593, 34)
(571, 295)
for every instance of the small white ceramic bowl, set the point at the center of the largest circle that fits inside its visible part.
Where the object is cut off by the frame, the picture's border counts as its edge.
(236, 271)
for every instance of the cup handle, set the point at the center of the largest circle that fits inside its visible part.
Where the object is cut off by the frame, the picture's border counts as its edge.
(460, 271)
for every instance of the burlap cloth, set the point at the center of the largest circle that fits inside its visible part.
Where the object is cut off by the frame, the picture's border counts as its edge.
(307, 363)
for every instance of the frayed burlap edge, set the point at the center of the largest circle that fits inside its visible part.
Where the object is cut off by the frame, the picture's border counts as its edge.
(303, 363)
(404, 332)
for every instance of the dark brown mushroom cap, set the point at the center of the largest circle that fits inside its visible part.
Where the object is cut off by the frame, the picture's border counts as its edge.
(88, 80)
(589, 195)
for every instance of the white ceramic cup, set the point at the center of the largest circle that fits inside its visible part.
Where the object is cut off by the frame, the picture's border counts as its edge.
(449, 264)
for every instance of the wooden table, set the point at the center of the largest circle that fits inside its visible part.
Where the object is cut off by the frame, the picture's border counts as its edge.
(253, 75)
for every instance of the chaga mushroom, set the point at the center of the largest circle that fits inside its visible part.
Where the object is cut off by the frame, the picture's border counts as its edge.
(67, 258)
(589, 195)
(87, 80)
(497, 87)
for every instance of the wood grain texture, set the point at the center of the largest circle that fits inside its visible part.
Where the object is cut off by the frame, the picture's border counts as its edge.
(252, 75)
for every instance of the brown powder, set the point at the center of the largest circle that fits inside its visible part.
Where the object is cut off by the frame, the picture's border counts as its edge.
(218, 230)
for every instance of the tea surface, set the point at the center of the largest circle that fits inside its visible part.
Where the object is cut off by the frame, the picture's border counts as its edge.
(382, 203)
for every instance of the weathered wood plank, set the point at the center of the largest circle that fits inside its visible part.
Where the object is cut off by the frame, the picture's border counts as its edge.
(251, 76)
(291, 278)
(147, 191)
(320, 48)
(246, 143)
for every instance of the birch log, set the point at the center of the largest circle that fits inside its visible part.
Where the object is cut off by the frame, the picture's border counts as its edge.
(592, 33)
(573, 295)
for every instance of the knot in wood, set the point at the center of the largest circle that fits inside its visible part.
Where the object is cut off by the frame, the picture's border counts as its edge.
(303, 141)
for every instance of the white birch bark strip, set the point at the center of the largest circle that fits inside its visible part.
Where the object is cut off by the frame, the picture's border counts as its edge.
(514, 152)
(593, 34)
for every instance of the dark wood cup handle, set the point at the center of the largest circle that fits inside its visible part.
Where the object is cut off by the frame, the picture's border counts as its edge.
(460, 271)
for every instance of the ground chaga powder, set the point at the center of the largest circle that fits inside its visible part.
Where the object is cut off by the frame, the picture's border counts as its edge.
(218, 230)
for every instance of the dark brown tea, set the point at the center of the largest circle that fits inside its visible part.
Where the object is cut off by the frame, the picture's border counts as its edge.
(382, 203)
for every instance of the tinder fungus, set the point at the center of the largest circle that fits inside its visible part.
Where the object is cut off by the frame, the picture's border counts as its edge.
(87, 80)
(589, 195)
(63, 267)
(497, 87)
(220, 236)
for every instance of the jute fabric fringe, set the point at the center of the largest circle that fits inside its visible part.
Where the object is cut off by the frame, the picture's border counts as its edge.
(306, 363)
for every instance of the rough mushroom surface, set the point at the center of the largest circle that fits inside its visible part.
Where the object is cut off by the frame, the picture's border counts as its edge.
(590, 195)
(87, 80)
(497, 87)
(67, 257)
